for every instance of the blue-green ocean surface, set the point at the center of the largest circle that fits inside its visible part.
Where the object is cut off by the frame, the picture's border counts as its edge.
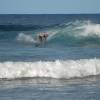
(65, 67)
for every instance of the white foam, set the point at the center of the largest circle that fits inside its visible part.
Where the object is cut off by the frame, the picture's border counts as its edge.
(57, 69)
(25, 38)
(89, 29)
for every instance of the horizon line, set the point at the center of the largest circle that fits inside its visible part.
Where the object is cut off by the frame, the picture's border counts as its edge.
(44, 13)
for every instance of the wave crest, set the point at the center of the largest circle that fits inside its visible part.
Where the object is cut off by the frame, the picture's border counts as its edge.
(89, 29)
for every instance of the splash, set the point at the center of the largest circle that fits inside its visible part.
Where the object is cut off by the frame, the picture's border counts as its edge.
(25, 38)
(54, 69)
(89, 29)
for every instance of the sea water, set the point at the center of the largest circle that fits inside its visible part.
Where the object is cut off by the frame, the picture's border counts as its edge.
(65, 67)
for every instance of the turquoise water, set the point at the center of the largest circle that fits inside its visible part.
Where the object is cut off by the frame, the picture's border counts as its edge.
(51, 89)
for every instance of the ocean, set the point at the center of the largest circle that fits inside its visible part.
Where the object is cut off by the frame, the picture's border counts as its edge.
(65, 67)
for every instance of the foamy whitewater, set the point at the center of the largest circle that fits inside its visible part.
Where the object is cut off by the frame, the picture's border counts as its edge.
(57, 69)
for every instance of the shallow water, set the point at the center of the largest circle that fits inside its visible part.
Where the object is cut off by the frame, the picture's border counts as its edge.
(50, 89)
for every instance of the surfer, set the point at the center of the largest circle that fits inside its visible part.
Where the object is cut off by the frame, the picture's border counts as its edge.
(42, 37)
(45, 35)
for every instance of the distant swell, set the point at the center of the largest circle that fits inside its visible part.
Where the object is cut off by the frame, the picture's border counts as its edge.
(12, 27)
(54, 69)
(19, 27)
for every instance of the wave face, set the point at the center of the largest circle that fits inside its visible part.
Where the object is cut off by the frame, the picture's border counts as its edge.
(57, 69)
(78, 33)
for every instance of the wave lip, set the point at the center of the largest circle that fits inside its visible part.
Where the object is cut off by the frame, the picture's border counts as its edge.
(56, 69)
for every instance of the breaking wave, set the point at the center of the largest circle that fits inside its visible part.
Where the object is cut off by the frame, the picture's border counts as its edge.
(52, 69)
(76, 33)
